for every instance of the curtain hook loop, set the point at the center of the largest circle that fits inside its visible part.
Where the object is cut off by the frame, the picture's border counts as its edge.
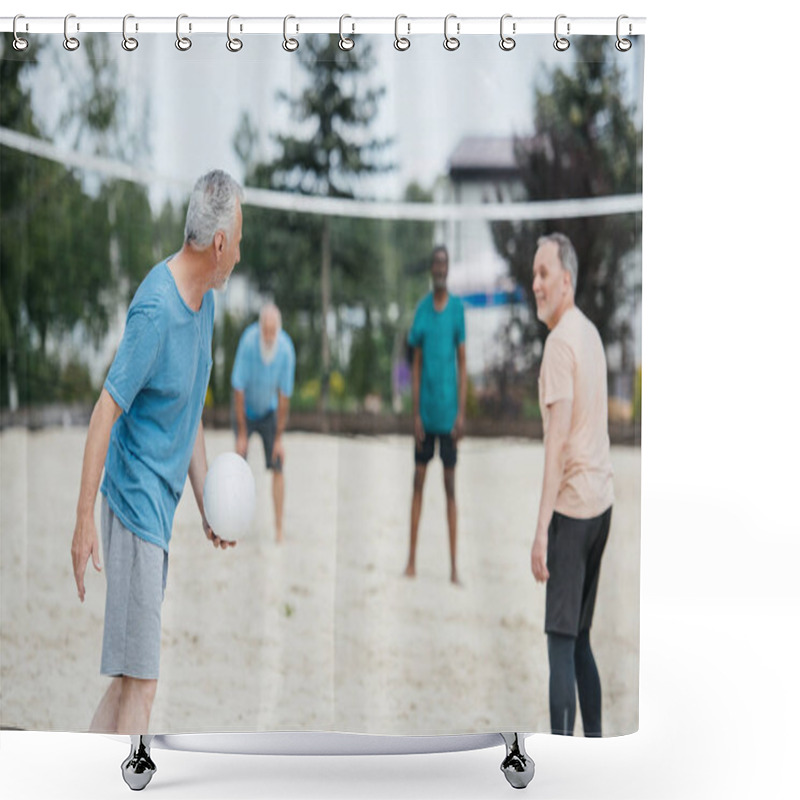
(451, 43)
(561, 43)
(345, 43)
(183, 43)
(401, 43)
(289, 45)
(70, 42)
(507, 42)
(623, 45)
(128, 42)
(234, 45)
(19, 44)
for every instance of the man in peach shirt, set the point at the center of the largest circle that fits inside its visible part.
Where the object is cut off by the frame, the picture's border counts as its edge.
(577, 490)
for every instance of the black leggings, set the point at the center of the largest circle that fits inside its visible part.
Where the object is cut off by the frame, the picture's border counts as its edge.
(571, 662)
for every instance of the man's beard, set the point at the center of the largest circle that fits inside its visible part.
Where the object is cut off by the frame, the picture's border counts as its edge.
(222, 280)
(268, 352)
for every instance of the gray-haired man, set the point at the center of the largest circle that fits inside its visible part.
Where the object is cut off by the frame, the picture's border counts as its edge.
(577, 490)
(263, 382)
(146, 430)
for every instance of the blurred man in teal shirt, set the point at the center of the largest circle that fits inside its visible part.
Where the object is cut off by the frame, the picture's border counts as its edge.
(439, 388)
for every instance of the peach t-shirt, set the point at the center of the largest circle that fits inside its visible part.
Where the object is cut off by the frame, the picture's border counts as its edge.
(574, 367)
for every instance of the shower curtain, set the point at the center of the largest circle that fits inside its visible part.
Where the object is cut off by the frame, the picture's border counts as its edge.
(393, 592)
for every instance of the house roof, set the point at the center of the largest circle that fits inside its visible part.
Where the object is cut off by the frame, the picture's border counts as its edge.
(484, 157)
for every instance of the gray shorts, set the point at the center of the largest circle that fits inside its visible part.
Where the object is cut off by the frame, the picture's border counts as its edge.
(136, 580)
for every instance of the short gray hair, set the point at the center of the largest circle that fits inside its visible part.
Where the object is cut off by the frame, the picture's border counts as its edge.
(566, 254)
(212, 208)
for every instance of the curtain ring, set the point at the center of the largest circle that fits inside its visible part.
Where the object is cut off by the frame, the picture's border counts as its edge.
(506, 42)
(183, 43)
(623, 45)
(451, 42)
(345, 43)
(128, 42)
(234, 45)
(401, 43)
(289, 45)
(70, 42)
(19, 43)
(561, 44)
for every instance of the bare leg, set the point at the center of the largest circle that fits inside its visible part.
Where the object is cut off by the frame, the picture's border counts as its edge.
(277, 501)
(136, 702)
(450, 492)
(416, 513)
(106, 717)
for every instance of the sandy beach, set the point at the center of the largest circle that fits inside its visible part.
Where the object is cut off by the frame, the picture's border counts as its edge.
(322, 632)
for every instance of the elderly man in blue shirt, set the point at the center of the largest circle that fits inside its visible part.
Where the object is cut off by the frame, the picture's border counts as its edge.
(146, 430)
(263, 382)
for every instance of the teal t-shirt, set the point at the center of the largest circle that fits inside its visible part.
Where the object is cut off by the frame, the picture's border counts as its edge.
(261, 382)
(159, 378)
(438, 334)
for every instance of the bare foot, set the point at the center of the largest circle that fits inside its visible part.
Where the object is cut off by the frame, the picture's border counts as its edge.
(411, 571)
(279, 537)
(454, 579)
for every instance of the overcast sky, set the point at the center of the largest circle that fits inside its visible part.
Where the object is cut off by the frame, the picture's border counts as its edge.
(194, 100)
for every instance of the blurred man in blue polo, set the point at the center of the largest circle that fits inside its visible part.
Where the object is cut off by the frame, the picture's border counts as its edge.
(146, 430)
(263, 382)
(439, 391)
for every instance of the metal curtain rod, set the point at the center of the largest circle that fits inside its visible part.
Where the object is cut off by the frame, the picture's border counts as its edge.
(407, 26)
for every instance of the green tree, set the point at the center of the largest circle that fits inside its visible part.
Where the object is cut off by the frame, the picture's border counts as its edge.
(409, 259)
(586, 144)
(70, 249)
(53, 238)
(15, 113)
(167, 231)
(296, 258)
(98, 117)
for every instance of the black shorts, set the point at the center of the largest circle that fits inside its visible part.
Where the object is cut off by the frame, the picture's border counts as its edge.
(574, 551)
(265, 427)
(448, 451)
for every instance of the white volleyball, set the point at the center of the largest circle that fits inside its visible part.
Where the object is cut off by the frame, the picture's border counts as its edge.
(229, 496)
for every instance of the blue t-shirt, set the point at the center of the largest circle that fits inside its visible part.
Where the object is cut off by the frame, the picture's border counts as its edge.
(261, 382)
(159, 378)
(438, 334)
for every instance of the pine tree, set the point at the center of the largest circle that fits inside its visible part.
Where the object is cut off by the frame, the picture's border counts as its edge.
(585, 144)
(328, 161)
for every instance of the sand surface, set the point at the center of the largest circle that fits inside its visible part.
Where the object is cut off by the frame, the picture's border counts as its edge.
(322, 632)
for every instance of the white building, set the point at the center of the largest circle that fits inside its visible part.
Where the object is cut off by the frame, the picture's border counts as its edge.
(484, 170)
(481, 170)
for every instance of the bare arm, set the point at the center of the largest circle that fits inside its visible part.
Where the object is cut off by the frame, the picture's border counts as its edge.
(555, 441)
(198, 467)
(241, 423)
(84, 538)
(416, 379)
(458, 430)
